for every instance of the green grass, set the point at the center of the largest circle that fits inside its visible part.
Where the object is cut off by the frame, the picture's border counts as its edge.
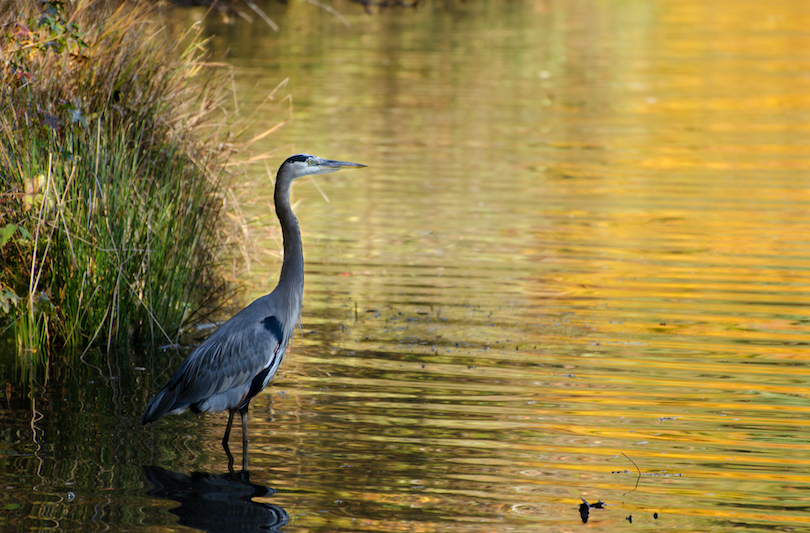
(112, 150)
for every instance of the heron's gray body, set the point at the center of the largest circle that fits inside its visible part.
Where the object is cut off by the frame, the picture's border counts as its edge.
(213, 378)
(240, 358)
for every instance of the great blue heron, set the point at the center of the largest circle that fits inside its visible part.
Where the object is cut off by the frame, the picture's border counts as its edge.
(238, 360)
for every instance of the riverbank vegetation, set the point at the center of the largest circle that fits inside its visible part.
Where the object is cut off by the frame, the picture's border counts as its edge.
(112, 155)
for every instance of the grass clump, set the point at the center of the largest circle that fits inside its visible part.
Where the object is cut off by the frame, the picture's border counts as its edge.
(112, 149)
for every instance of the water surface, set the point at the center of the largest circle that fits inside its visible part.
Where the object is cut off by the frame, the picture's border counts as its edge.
(576, 268)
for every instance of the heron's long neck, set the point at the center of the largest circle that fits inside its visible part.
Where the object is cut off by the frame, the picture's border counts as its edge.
(292, 268)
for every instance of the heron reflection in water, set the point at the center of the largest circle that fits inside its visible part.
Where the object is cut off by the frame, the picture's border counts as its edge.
(238, 360)
(217, 503)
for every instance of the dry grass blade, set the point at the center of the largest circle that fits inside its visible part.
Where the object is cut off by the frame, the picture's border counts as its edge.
(331, 10)
(262, 15)
(323, 194)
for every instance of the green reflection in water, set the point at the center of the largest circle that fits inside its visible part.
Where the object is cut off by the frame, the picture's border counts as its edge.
(581, 235)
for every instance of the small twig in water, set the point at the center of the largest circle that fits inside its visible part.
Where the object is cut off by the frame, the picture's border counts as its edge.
(637, 479)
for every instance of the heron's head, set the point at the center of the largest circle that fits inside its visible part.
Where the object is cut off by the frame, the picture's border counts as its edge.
(306, 165)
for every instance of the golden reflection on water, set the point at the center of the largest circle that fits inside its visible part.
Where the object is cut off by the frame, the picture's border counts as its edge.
(571, 244)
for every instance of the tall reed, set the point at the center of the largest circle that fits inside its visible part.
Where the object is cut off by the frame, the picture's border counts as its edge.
(112, 150)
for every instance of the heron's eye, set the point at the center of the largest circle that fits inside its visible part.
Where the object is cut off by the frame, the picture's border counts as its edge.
(310, 161)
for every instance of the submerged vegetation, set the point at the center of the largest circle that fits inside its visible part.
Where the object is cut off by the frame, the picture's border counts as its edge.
(112, 150)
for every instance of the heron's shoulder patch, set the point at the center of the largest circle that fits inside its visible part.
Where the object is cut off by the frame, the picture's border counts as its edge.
(273, 325)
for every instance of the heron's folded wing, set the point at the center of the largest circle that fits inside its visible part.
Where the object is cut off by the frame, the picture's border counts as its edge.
(232, 357)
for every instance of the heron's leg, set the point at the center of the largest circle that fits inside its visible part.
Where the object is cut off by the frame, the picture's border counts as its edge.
(228, 428)
(244, 412)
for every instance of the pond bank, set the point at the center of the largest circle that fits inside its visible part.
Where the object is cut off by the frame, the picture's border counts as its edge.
(113, 141)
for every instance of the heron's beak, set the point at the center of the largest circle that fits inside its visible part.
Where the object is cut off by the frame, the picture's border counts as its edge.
(329, 165)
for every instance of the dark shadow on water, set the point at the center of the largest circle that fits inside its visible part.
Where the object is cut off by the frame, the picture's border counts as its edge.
(216, 502)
